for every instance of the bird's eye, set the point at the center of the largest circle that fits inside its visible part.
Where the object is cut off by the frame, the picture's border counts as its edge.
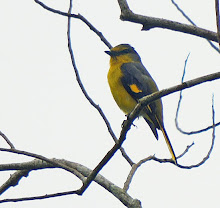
(125, 51)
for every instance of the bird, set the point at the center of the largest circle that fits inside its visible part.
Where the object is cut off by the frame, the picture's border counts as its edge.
(130, 81)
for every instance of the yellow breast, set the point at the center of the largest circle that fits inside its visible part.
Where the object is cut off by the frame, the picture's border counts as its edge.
(125, 102)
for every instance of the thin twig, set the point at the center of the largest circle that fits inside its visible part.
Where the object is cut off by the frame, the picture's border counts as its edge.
(212, 144)
(217, 20)
(7, 140)
(149, 158)
(57, 164)
(189, 20)
(178, 109)
(77, 16)
(47, 196)
(185, 151)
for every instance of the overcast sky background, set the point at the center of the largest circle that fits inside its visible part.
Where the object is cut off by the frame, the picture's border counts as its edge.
(42, 109)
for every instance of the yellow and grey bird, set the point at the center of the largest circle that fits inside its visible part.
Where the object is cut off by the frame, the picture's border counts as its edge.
(129, 81)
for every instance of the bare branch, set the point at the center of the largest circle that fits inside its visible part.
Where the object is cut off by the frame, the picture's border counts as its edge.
(57, 164)
(152, 22)
(13, 180)
(185, 85)
(133, 171)
(77, 16)
(217, 20)
(7, 140)
(47, 196)
(212, 144)
(126, 199)
(187, 17)
(186, 150)
(149, 158)
(182, 12)
(178, 109)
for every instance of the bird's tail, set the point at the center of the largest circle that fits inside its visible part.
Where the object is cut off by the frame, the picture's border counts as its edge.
(168, 142)
(161, 127)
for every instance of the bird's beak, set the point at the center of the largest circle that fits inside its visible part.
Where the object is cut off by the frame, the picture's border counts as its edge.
(108, 52)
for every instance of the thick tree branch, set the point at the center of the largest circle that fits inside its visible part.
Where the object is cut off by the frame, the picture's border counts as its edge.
(152, 22)
(13, 180)
(126, 199)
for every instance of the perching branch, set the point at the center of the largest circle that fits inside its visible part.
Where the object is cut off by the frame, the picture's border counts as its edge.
(185, 85)
(153, 22)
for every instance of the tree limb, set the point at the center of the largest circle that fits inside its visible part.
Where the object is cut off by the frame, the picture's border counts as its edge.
(153, 22)
(14, 180)
(57, 164)
(36, 164)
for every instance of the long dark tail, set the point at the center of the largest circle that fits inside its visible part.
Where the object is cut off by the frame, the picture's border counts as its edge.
(168, 142)
(154, 120)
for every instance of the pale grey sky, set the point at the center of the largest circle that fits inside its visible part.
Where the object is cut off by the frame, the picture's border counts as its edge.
(43, 110)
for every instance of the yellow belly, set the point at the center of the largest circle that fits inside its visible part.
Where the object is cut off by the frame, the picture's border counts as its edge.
(125, 102)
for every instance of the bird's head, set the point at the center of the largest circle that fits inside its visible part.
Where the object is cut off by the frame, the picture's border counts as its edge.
(124, 53)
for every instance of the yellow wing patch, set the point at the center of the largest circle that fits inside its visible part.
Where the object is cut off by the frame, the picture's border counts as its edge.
(135, 88)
